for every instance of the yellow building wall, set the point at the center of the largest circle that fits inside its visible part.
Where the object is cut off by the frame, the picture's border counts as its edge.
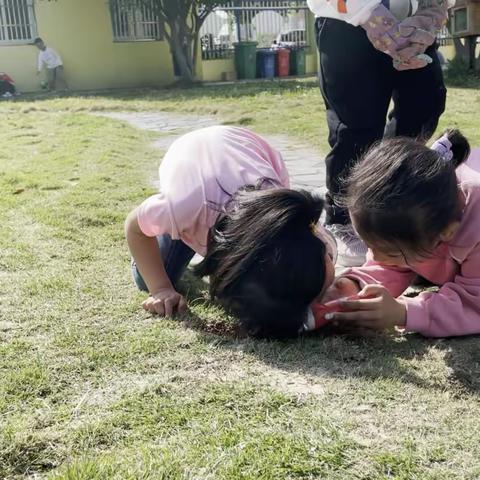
(81, 32)
(218, 70)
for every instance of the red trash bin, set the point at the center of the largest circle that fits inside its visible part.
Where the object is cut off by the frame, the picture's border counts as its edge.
(283, 62)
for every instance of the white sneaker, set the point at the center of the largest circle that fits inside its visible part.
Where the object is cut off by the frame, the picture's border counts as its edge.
(352, 251)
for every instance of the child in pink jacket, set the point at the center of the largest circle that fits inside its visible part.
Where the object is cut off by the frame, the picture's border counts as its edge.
(224, 194)
(418, 210)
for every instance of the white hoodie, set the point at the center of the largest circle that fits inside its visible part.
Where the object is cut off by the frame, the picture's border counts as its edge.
(357, 12)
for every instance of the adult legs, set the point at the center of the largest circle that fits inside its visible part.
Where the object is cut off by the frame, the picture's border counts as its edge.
(419, 101)
(356, 83)
(176, 256)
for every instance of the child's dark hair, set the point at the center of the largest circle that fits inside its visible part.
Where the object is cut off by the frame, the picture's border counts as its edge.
(37, 41)
(265, 263)
(402, 195)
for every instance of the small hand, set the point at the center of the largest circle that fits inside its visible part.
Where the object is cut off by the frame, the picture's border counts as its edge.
(166, 302)
(377, 311)
(342, 287)
(412, 64)
(412, 57)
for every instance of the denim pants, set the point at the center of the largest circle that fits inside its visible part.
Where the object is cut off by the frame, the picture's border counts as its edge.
(176, 256)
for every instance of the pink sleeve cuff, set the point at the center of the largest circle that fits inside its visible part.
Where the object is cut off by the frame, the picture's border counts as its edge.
(417, 317)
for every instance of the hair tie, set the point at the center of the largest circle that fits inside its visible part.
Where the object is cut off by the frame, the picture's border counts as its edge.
(443, 146)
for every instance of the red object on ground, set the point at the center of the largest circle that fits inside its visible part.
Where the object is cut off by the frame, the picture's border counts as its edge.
(283, 62)
(319, 311)
(6, 78)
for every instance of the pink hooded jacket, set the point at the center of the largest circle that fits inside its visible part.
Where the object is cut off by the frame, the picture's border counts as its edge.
(454, 266)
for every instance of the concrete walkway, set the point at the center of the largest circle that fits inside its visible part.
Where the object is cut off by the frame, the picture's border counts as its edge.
(304, 163)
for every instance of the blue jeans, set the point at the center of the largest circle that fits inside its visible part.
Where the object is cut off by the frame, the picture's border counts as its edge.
(176, 256)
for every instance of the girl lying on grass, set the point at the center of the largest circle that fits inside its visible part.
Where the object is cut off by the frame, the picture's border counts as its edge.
(224, 193)
(418, 210)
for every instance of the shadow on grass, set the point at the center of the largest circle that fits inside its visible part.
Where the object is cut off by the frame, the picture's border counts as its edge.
(470, 82)
(411, 358)
(211, 91)
(455, 78)
(463, 357)
(459, 74)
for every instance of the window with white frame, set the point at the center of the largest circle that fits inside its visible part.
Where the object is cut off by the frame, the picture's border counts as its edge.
(135, 20)
(460, 20)
(17, 21)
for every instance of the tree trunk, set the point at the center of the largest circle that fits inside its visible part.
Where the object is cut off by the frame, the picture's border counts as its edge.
(183, 38)
(472, 45)
(181, 47)
(461, 50)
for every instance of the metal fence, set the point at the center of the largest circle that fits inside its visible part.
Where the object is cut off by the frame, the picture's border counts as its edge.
(135, 21)
(444, 37)
(17, 21)
(267, 22)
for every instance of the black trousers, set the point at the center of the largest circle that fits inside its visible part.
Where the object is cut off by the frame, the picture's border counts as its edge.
(358, 84)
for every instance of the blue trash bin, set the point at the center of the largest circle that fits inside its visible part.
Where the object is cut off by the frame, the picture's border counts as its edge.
(266, 63)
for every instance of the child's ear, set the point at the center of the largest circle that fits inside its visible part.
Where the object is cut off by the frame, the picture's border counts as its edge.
(449, 232)
(452, 228)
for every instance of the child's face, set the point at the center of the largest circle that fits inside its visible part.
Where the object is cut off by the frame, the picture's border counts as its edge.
(384, 253)
(40, 45)
(330, 257)
(392, 259)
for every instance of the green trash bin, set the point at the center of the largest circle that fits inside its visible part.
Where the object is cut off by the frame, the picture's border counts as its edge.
(298, 61)
(246, 59)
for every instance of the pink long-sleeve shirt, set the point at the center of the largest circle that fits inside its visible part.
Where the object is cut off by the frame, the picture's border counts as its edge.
(454, 266)
(198, 175)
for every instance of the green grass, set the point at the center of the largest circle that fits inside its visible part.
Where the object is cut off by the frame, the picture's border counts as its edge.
(91, 387)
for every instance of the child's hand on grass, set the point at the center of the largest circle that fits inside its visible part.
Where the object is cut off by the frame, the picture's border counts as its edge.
(165, 302)
(378, 310)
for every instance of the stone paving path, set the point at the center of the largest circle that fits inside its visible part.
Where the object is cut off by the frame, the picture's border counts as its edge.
(304, 163)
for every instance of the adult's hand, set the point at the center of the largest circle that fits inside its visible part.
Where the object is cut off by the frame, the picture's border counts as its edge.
(412, 58)
(393, 37)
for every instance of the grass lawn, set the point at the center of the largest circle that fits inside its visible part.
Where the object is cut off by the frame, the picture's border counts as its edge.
(92, 387)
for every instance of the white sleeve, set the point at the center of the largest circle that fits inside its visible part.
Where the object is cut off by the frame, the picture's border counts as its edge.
(40, 62)
(354, 12)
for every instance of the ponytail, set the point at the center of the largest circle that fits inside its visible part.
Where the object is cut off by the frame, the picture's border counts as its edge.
(457, 144)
